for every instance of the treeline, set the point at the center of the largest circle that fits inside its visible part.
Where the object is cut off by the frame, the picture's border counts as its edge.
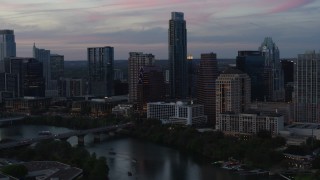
(82, 122)
(257, 151)
(61, 151)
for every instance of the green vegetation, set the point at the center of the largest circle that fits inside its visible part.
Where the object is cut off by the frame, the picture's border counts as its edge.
(61, 151)
(16, 170)
(258, 151)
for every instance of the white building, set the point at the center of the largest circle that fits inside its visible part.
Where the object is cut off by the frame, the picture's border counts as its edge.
(250, 123)
(177, 113)
(306, 88)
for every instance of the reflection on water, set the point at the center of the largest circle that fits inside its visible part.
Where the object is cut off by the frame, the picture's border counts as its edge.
(143, 159)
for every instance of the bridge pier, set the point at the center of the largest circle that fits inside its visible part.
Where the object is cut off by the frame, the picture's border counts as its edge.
(80, 140)
(96, 138)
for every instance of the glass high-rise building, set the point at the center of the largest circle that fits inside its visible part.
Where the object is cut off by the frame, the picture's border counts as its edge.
(178, 64)
(101, 70)
(306, 88)
(273, 75)
(43, 56)
(29, 72)
(252, 63)
(7, 47)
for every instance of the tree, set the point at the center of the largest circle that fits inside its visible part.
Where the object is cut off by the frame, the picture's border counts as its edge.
(15, 170)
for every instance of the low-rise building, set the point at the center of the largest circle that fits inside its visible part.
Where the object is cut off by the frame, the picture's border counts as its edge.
(177, 113)
(250, 123)
(27, 105)
(122, 110)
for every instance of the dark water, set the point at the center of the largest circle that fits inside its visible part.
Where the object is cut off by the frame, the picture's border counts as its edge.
(145, 160)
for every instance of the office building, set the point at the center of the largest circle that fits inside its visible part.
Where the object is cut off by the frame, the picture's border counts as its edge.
(178, 63)
(7, 47)
(9, 83)
(233, 91)
(250, 123)
(150, 87)
(43, 56)
(135, 62)
(101, 70)
(206, 91)
(29, 72)
(69, 87)
(177, 113)
(306, 88)
(252, 63)
(273, 75)
(56, 70)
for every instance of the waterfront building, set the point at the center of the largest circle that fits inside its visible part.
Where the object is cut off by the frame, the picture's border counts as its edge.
(70, 87)
(150, 87)
(273, 75)
(135, 62)
(250, 123)
(27, 105)
(233, 92)
(178, 64)
(177, 113)
(7, 47)
(283, 108)
(206, 91)
(9, 83)
(101, 70)
(29, 72)
(306, 88)
(252, 63)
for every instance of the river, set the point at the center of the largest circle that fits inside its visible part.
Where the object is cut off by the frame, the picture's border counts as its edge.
(145, 160)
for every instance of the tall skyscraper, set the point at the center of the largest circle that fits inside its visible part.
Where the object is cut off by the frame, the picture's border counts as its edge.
(178, 63)
(7, 47)
(101, 70)
(232, 93)
(306, 88)
(135, 62)
(252, 63)
(206, 92)
(273, 75)
(43, 56)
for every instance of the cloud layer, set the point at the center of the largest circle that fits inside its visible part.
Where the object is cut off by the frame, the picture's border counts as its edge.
(68, 27)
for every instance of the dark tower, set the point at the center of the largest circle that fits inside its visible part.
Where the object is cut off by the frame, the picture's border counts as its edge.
(208, 72)
(178, 56)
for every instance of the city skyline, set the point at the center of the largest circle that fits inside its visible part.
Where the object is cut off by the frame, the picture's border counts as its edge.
(68, 27)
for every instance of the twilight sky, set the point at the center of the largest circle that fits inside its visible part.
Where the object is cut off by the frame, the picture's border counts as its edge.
(68, 27)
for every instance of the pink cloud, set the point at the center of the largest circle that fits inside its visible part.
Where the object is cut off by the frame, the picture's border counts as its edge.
(286, 5)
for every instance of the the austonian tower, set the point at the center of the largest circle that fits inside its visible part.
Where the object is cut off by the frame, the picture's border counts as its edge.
(177, 37)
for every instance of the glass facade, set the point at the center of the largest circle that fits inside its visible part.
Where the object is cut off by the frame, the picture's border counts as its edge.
(178, 56)
(252, 63)
(101, 70)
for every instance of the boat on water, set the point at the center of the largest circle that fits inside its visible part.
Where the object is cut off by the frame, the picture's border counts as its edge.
(44, 133)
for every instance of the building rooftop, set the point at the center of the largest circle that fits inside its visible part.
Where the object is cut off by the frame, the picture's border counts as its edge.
(52, 170)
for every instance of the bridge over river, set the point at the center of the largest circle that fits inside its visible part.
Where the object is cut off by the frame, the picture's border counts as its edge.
(64, 136)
